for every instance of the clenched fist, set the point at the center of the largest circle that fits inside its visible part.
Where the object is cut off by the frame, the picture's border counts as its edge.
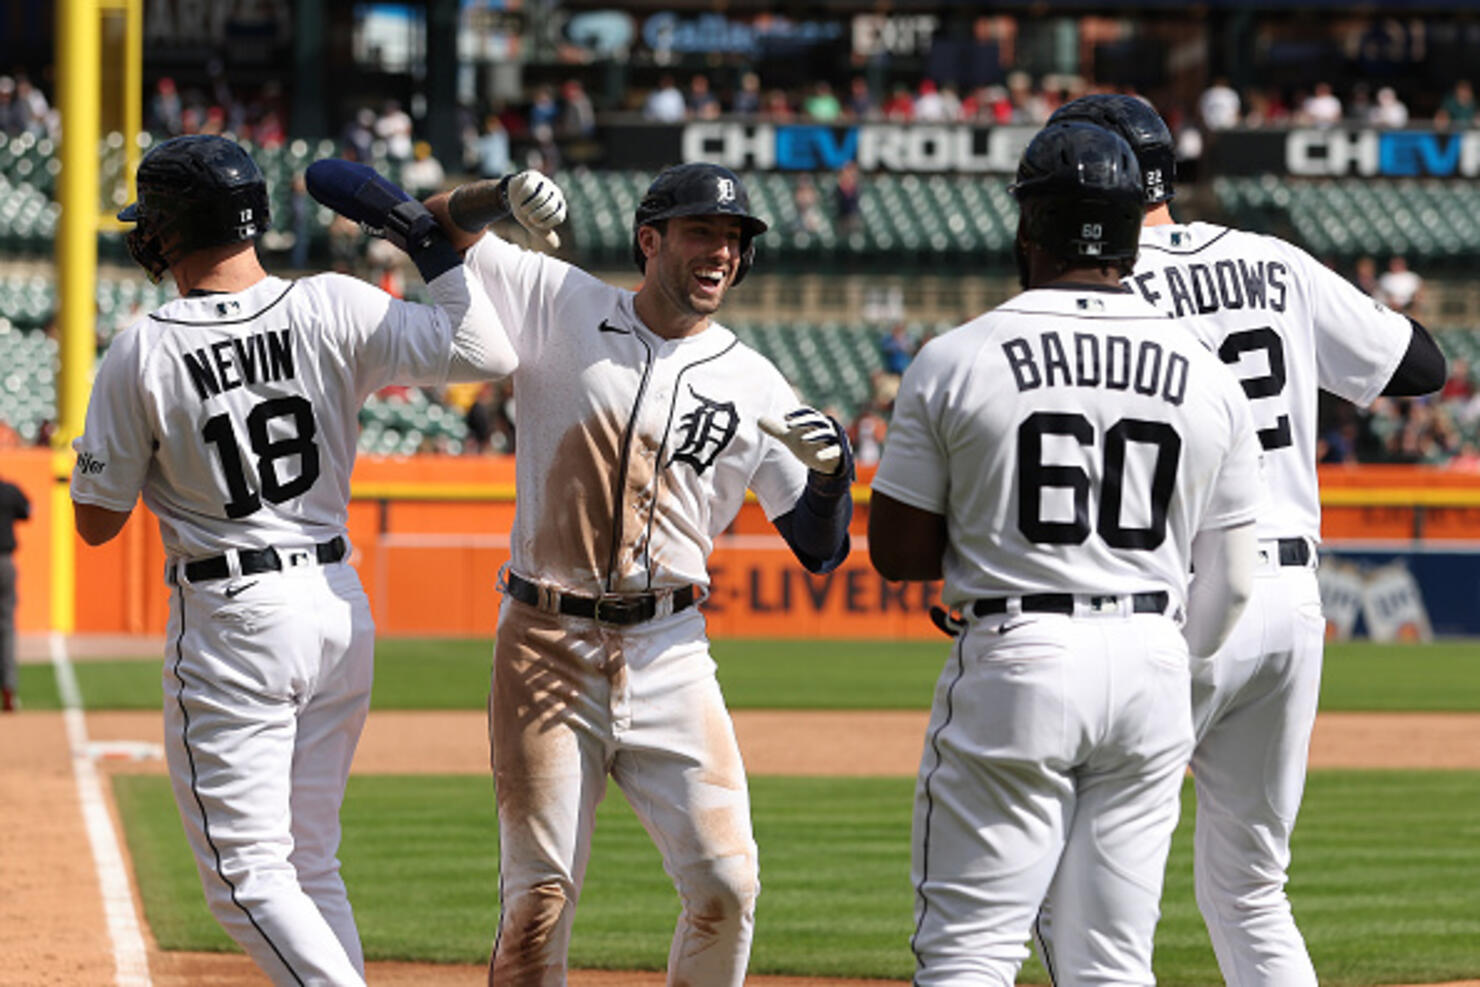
(537, 203)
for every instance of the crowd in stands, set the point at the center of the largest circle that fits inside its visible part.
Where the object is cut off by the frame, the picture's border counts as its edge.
(1221, 107)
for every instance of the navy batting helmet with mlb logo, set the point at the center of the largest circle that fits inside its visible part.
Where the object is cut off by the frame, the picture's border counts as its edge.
(194, 192)
(1143, 129)
(699, 189)
(1079, 189)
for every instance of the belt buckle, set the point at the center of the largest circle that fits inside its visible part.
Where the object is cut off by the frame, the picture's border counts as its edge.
(1104, 604)
(297, 557)
(614, 608)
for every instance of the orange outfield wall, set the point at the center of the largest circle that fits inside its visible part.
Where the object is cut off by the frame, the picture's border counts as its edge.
(429, 542)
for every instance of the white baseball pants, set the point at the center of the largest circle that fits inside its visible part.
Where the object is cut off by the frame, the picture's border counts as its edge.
(1054, 758)
(574, 701)
(1255, 707)
(265, 695)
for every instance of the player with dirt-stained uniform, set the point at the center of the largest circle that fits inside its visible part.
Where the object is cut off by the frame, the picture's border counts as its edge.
(642, 423)
(1288, 327)
(1061, 461)
(233, 410)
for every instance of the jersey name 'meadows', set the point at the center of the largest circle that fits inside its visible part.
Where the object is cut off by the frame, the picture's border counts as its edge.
(230, 363)
(1112, 362)
(1203, 289)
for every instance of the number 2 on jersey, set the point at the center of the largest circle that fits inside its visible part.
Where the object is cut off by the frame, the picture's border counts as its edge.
(243, 500)
(1269, 385)
(1034, 476)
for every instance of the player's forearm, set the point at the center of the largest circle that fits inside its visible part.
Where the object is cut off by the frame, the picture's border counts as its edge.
(480, 347)
(458, 237)
(817, 527)
(1223, 567)
(1423, 368)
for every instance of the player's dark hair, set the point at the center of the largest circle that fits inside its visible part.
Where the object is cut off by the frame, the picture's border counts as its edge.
(194, 192)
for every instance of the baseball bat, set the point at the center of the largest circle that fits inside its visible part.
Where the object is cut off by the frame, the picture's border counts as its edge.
(476, 204)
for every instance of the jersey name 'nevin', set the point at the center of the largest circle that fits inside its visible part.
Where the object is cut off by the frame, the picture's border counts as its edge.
(226, 364)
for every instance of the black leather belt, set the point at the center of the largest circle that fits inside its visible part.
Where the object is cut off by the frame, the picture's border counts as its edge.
(255, 560)
(1064, 603)
(626, 608)
(1294, 551)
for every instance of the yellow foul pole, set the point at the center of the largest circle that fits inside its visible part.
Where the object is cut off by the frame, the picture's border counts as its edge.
(79, 52)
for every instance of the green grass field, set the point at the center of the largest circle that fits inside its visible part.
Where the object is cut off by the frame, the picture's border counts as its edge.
(1386, 883)
(453, 674)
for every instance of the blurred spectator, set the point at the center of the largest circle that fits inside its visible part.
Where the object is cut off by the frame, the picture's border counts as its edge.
(31, 106)
(577, 115)
(345, 243)
(1359, 108)
(847, 200)
(394, 127)
(930, 105)
(493, 148)
(490, 419)
(359, 134)
(166, 109)
(900, 106)
(1389, 111)
(748, 96)
(10, 114)
(1458, 108)
(897, 349)
(301, 216)
(1460, 387)
(1266, 109)
(1322, 108)
(806, 208)
(1467, 460)
(1365, 276)
(423, 174)
(665, 104)
(543, 110)
(701, 102)
(1219, 105)
(544, 156)
(778, 107)
(1028, 106)
(1399, 288)
(867, 435)
(860, 105)
(821, 105)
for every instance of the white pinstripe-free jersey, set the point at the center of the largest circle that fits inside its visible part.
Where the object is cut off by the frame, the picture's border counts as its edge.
(237, 416)
(632, 451)
(1075, 440)
(1286, 325)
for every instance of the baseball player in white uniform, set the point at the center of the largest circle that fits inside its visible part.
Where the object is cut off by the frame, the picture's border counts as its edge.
(642, 422)
(233, 410)
(1061, 461)
(1287, 326)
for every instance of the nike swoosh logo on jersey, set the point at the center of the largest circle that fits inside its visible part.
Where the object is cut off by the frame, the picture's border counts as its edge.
(608, 327)
(232, 591)
(1004, 627)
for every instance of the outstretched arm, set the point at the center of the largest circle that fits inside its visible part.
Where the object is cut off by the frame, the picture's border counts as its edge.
(1423, 368)
(533, 199)
(480, 346)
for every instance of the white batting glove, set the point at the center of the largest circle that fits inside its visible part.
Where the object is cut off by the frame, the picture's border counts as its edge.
(537, 203)
(812, 437)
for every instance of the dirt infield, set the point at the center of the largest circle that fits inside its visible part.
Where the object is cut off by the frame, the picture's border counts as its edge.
(53, 924)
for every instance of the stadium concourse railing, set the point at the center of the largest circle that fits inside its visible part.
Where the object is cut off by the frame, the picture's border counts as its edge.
(431, 533)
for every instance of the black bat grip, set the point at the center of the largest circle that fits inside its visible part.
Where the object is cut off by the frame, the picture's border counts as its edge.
(476, 204)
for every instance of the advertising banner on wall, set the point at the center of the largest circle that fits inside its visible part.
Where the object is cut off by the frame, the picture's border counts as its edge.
(1409, 595)
(1338, 152)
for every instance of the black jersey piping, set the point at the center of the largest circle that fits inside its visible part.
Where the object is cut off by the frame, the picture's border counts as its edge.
(1187, 253)
(200, 804)
(619, 487)
(959, 652)
(663, 448)
(227, 322)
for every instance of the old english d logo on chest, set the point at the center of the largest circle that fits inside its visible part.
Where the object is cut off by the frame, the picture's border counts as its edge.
(704, 432)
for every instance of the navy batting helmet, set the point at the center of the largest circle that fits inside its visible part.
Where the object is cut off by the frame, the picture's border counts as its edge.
(1143, 129)
(194, 192)
(1079, 189)
(698, 189)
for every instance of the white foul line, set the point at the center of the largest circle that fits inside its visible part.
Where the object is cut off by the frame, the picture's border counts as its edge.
(130, 955)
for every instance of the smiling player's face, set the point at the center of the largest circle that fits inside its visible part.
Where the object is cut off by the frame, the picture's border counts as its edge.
(696, 261)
